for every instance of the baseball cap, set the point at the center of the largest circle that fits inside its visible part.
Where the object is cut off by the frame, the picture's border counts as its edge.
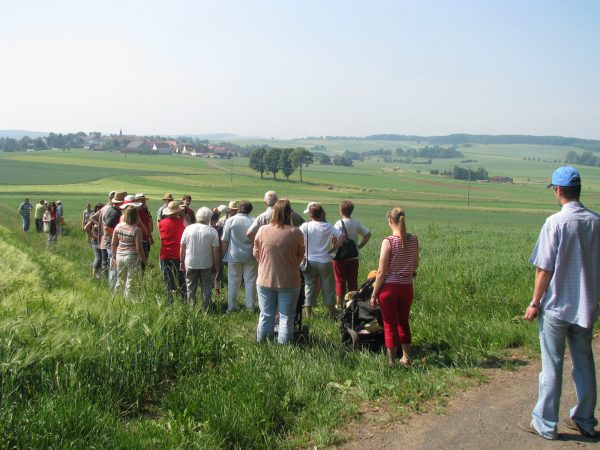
(306, 211)
(565, 176)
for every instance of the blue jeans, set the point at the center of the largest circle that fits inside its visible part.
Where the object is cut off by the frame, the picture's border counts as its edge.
(553, 334)
(97, 264)
(26, 222)
(268, 301)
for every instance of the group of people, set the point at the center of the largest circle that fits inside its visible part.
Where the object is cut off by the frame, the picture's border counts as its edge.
(48, 216)
(266, 252)
(263, 252)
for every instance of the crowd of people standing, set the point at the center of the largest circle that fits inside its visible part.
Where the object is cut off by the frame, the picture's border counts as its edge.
(48, 218)
(262, 252)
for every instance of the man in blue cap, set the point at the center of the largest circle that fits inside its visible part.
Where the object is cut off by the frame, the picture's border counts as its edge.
(565, 298)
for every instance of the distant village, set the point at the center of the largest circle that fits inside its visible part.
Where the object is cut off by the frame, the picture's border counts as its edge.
(188, 146)
(180, 146)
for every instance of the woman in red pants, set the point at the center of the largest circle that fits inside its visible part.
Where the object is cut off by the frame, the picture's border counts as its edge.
(393, 288)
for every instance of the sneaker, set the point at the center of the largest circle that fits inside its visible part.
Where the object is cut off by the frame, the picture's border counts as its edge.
(531, 430)
(572, 425)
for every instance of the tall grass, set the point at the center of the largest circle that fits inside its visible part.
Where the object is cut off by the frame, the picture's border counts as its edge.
(82, 369)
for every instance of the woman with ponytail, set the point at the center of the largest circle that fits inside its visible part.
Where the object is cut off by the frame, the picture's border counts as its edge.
(393, 288)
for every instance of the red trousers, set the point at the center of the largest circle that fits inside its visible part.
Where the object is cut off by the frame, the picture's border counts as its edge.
(346, 274)
(395, 301)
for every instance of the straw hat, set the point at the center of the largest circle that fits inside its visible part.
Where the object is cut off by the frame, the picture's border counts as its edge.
(119, 197)
(168, 196)
(172, 208)
(233, 205)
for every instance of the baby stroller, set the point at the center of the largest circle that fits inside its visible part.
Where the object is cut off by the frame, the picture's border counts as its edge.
(361, 325)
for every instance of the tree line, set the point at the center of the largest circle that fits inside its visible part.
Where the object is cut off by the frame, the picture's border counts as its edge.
(53, 140)
(469, 139)
(585, 159)
(284, 160)
(459, 173)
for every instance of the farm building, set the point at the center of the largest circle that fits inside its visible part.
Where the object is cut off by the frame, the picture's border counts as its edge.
(138, 146)
(162, 148)
(500, 180)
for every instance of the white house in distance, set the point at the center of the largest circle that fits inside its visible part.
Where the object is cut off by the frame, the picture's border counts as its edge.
(163, 148)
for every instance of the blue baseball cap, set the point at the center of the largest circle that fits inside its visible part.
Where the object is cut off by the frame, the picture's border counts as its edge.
(565, 176)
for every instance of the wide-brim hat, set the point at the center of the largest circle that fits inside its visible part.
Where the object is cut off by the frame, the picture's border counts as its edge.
(127, 204)
(168, 196)
(119, 197)
(172, 208)
(140, 196)
(233, 205)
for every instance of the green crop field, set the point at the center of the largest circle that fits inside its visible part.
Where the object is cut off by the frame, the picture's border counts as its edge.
(80, 368)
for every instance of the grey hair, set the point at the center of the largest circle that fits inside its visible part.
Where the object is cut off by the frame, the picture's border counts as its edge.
(204, 214)
(270, 198)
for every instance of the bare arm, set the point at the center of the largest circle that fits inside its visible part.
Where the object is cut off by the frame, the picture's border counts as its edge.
(114, 244)
(364, 240)
(382, 270)
(182, 257)
(139, 247)
(216, 258)
(542, 280)
(224, 247)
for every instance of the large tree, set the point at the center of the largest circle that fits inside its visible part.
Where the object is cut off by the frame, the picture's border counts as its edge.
(301, 157)
(271, 159)
(257, 161)
(285, 163)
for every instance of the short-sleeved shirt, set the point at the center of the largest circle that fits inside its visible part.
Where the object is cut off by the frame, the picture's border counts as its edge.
(278, 251)
(189, 214)
(170, 229)
(402, 259)
(239, 249)
(25, 209)
(126, 234)
(110, 219)
(199, 240)
(569, 246)
(264, 218)
(39, 211)
(146, 219)
(318, 238)
(354, 229)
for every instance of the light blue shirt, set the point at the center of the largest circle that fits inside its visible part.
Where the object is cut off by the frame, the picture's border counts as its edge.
(239, 249)
(569, 246)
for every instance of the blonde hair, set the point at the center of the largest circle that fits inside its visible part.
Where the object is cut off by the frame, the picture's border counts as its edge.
(396, 215)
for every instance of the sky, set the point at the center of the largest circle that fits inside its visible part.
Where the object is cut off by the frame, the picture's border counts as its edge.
(293, 68)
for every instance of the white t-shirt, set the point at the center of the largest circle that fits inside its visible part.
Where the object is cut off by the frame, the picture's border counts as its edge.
(199, 240)
(319, 235)
(353, 227)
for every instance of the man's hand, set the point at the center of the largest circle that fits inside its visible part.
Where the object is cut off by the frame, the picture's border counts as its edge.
(531, 312)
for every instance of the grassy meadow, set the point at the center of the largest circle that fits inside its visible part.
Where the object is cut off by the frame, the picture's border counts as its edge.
(80, 368)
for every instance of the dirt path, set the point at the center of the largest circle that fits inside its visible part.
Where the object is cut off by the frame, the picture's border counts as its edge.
(485, 417)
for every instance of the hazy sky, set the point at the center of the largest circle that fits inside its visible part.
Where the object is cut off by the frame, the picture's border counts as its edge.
(288, 68)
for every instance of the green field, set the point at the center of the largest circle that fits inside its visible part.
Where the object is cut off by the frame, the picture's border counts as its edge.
(82, 369)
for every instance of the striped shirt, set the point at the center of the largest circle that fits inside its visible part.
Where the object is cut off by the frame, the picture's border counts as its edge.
(126, 234)
(402, 260)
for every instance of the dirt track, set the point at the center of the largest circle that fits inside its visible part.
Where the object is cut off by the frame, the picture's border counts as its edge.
(485, 417)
